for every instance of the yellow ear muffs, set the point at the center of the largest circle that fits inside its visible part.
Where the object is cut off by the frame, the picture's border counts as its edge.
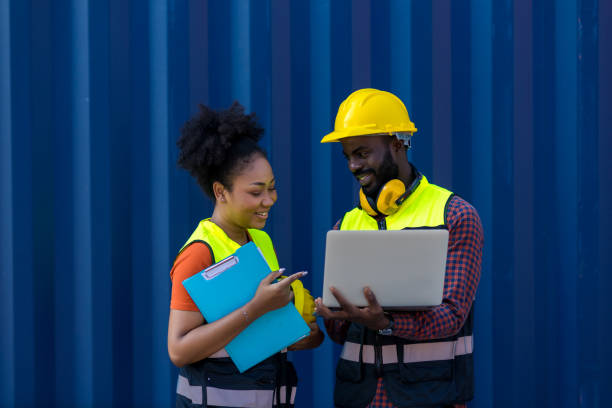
(367, 204)
(386, 201)
(303, 300)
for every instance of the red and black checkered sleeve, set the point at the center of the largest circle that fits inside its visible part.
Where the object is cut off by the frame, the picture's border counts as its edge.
(463, 267)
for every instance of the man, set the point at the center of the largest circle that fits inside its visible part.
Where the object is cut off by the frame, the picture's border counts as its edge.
(411, 359)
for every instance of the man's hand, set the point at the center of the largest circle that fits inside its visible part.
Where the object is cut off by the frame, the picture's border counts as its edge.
(371, 316)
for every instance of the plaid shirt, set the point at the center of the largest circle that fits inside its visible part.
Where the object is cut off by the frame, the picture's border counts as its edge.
(463, 264)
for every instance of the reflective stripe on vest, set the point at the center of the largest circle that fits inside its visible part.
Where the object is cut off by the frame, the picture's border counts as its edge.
(424, 207)
(220, 354)
(220, 397)
(413, 353)
(232, 398)
(283, 395)
(192, 392)
(223, 246)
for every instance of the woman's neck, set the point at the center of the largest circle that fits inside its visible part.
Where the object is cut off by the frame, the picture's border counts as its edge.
(234, 232)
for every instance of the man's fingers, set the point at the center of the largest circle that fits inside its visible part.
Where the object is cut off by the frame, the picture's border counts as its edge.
(371, 298)
(321, 309)
(326, 313)
(345, 304)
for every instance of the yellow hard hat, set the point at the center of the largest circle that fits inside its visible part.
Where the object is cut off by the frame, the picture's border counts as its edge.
(370, 112)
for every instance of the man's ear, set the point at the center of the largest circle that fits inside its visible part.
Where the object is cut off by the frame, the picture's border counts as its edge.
(397, 145)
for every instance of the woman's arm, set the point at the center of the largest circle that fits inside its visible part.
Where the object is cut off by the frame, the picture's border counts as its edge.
(189, 340)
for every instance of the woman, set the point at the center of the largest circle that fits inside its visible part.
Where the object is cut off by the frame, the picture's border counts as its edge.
(220, 150)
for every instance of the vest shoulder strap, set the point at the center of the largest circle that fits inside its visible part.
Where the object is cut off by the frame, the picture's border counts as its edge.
(264, 243)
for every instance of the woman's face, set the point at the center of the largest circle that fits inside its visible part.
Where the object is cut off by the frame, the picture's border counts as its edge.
(253, 194)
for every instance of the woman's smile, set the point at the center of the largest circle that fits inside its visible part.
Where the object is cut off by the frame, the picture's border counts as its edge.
(262, 214)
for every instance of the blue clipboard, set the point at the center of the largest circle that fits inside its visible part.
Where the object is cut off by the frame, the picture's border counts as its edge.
(228, 285)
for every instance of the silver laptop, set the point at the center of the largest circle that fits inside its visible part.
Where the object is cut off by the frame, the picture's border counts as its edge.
(405, 269)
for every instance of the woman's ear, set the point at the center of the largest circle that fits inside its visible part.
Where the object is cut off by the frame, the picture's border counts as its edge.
(219, 192)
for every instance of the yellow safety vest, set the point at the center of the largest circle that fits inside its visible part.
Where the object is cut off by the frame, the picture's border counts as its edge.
(221, 246)
(431, 373)
(424, 207)
(216, 380)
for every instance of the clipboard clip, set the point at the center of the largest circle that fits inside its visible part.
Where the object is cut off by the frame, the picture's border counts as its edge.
(217, 269)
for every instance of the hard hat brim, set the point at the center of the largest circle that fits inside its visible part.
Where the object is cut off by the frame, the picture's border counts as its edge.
(336, 135)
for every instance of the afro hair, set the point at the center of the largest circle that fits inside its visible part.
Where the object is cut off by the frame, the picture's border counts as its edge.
(217, 145)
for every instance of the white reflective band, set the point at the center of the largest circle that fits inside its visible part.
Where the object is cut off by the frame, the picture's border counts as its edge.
(413, 353)
(219, 354)
(193, 392)
(283, 395)
(239, 398)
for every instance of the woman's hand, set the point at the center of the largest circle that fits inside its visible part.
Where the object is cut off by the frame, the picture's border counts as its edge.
(313, 340)
(272, 295)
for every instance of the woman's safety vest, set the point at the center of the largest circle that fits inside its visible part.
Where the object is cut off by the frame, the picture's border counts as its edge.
(216, 381)
(415, 373)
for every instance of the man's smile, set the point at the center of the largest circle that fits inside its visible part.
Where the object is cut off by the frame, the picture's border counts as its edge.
(365, 178)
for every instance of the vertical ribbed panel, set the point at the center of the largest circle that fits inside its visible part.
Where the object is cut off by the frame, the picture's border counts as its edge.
(322, 117)
(101, 161)
(139, 300)
(24, 283)
(7, 299)
(481, 182)
(589, 272)
(605, 192)
(566, 186)
(160, 166)
(521, 198)
(82, 221)
(502, 248)
(441, 90)
(513, 102)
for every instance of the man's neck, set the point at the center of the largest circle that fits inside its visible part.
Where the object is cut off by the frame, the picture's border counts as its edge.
(407, 174)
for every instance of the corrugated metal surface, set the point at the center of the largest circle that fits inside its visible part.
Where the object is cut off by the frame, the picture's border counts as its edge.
(513, 101)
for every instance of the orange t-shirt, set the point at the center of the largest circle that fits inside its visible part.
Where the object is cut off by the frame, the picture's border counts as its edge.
(192, 260)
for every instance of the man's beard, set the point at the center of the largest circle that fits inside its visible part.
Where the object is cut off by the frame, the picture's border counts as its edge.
(388, 170)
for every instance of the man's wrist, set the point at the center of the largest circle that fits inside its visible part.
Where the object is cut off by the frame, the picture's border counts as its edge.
(384, 323)
(388, 329)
